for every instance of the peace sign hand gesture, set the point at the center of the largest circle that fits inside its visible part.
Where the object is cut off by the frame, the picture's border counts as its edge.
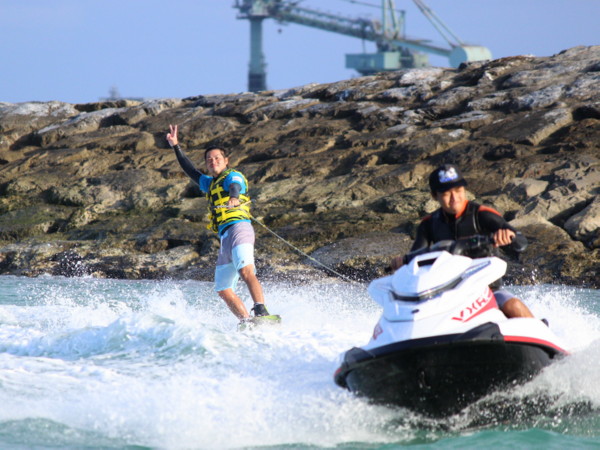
(172, 136)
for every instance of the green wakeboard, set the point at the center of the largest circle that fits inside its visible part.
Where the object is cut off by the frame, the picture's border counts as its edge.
(260, 321)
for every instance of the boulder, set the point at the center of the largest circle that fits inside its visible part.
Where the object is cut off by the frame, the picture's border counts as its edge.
(338, 171)
(585, 225)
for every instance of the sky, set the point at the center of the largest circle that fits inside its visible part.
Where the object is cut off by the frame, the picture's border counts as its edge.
(76, 51)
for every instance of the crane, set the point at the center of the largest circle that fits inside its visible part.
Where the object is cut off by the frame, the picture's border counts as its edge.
(394, 50)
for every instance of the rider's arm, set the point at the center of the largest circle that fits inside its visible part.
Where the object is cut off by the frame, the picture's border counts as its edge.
(234, 190)
(491, 222)
(187, 165)
(422, 240)
(234, 184)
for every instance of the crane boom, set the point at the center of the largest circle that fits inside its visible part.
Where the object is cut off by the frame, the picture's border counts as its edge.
(394, 50)
(367, 30)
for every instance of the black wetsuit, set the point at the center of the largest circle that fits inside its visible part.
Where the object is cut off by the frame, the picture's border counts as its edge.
(476, 219)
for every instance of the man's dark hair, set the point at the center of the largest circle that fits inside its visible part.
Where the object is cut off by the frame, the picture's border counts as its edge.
(216, 147)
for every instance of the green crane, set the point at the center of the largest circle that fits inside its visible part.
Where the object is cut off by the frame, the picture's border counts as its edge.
(394, 50)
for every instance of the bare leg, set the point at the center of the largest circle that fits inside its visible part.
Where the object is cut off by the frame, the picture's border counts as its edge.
(515, 308)
(248, 275)
(235, 304)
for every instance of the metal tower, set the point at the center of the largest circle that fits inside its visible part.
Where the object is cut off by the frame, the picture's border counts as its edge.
(394, 50)
(255, 11)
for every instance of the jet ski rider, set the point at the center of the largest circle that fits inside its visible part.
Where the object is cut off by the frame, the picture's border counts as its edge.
(226, 191)
(459, 218)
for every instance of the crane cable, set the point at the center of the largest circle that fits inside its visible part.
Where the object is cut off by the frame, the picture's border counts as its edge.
(433, 18)
(438, 23)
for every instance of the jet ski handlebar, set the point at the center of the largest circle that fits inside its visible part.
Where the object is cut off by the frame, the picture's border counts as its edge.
(469, 245)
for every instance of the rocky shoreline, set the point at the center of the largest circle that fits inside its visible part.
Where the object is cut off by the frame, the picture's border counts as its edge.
(337, 170)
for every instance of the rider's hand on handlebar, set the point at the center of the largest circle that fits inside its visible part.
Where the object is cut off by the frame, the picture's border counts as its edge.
(503, 237)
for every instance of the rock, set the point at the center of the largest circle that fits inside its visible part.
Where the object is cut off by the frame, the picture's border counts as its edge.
(81, 123)
(31, 221)
(364, 257)
(523, 189)
(280, 109)
(575, 184)
(468, 120)
(18, 120)
(530, 128)
(538, 99)
(337, 170)
(585, 225)
(405, 94)
(425, 76)
(451, 100)
(550, 256)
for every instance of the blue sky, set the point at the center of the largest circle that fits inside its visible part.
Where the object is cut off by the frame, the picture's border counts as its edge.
(76, 50)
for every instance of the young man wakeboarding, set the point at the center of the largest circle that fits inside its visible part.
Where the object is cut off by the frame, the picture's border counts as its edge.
(226, 190)
(459, 218)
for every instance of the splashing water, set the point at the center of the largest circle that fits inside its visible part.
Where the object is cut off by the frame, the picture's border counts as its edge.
(108, 363)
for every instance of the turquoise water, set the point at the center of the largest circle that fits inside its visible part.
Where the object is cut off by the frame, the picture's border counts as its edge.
(122, 364)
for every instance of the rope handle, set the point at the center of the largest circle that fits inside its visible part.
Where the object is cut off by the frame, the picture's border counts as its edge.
(234, 207)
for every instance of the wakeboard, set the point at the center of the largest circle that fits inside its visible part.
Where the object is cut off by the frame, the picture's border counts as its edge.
(260, 321)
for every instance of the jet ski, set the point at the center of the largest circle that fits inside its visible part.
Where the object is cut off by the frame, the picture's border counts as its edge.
(441, 342)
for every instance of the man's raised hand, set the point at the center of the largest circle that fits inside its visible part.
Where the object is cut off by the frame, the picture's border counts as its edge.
(172, 136)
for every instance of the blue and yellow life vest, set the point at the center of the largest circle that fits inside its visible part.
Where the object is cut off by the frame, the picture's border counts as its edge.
(217, 202)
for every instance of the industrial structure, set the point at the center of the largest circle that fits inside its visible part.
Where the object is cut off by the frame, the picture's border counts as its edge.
(394, 50)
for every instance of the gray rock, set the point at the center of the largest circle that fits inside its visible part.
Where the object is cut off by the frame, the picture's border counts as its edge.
(362, 257)
(530, 128)
(585, 225)
(338, 170)
(523, 189)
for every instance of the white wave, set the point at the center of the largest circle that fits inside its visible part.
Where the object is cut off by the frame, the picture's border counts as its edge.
(161, 364)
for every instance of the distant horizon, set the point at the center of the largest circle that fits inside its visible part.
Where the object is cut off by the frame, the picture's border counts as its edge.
(77, 52)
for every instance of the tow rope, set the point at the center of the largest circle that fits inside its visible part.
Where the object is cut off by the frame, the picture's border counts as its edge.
(254, 219)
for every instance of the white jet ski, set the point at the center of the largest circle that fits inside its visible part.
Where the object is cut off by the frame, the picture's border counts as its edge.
(442, 342)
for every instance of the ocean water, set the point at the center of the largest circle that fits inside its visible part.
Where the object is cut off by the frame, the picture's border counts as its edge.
(144, 364)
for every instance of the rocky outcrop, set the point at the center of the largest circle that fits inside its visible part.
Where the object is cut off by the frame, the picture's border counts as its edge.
(337, 170)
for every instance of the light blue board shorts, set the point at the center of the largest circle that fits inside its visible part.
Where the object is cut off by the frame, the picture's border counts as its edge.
(502, 296)
(236, 252)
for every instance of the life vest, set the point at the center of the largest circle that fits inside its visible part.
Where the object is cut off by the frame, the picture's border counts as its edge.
(217, 202)
(464, 226)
